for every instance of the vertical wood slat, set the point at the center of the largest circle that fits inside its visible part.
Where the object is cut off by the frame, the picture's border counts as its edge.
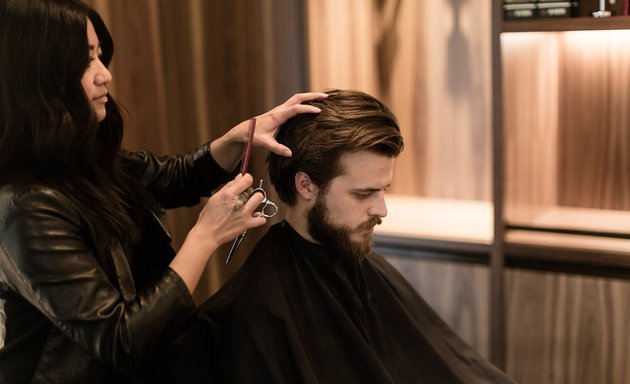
(567, 121)
(530, 105)
(497, 253)
(137, 71)
(567, 329)
(594, 126)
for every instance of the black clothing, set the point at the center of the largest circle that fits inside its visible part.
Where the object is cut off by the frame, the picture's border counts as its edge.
(294, 313)
(80, 312)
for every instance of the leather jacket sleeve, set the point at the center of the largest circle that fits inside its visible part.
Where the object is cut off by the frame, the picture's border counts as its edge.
(85, 290)
(45, 257)
(177, 181)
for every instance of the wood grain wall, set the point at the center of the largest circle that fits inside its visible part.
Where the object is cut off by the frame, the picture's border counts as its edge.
(567, 329)
(594, 121)
(531, 101)
(430, 62)
(567, 124)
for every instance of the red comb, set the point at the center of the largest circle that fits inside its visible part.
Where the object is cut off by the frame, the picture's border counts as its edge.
(248, 146)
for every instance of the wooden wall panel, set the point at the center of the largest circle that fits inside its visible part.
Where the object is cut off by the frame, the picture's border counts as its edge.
(137, 71)
(458, 85)
(566, 120)
(530, 94)
(567, 329)
(594, 155)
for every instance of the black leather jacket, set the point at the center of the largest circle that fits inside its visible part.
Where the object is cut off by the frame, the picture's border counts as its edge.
(74, 310)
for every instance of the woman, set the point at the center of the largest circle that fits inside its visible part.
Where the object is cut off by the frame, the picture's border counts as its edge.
(90, 288)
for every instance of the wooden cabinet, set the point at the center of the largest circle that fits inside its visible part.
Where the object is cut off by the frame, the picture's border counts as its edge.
(562, 173)
(565, 137)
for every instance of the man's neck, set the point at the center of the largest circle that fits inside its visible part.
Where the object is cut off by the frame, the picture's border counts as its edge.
(297, 219)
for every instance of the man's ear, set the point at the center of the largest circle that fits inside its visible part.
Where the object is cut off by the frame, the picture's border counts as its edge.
(305, 186)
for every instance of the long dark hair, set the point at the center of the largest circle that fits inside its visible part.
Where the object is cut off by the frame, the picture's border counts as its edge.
(48, 130)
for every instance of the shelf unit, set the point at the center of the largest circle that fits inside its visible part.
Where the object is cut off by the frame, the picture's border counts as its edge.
(537, 232)
(565, 24)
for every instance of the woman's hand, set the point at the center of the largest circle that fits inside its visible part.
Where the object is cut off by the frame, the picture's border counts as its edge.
(227, 149)
(267, 124)
(224, 216)
(222, 219)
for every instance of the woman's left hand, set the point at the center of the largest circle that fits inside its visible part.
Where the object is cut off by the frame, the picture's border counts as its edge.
(227, 149)
(268, 123)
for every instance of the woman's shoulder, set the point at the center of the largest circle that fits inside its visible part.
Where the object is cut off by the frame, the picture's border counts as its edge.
(27, 196)
(26, 188)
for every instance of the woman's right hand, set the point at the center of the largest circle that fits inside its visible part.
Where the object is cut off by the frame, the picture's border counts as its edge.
(224, 216)
(222, 219)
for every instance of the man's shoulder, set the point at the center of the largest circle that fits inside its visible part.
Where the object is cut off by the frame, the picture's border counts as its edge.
(379, 262)
(261, 273)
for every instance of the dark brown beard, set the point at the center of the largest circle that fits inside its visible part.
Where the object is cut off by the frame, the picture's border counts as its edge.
(337, 238)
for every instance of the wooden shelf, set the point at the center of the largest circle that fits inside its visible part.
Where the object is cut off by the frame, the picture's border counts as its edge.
(567, 24)
(448, 229)
(571, 243)
(590, 255)
(461, 230)
(449, 220)
(586, 221)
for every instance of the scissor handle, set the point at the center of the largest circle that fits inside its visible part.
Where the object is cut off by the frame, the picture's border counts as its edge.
(264, 212)
(259, 189)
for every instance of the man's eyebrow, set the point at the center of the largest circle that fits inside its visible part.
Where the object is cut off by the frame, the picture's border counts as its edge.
(369, 189)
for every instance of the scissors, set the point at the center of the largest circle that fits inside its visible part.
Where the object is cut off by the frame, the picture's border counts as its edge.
(269, 208)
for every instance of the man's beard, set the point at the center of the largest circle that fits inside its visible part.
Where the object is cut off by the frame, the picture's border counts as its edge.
(337, 237)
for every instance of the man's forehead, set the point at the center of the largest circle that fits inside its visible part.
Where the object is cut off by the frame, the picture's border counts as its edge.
(365, 167)
(355, 159)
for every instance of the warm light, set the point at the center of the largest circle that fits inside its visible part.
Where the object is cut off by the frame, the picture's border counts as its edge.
(596, 40)
(597, 45)
(572, 39)
(525, 38)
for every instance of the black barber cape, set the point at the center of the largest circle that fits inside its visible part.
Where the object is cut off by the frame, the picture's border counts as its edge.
(296, 314)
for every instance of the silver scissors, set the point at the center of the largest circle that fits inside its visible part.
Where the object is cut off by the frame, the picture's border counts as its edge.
(269, 209)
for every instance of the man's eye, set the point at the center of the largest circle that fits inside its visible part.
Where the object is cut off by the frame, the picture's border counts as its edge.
(361, 195)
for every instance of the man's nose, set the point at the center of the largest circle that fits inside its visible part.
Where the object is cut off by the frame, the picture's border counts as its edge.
(379, 208)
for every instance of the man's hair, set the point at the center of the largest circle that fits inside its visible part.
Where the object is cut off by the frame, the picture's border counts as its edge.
(349, 121)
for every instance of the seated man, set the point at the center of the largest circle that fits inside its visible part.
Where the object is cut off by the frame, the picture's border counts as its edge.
(313, 303)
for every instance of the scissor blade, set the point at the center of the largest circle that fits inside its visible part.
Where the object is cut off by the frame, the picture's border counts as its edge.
(234, 246)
